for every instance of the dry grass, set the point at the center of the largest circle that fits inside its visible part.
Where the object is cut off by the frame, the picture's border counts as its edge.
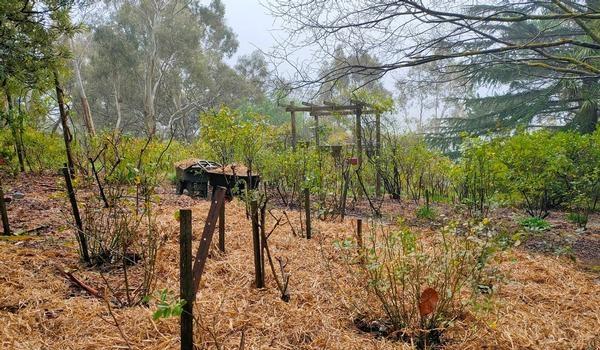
(544, 302)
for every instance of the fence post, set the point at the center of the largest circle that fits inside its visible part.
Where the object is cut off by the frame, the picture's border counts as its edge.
(79, 225)
(359, 237)
(378, 153)
(293, 122)
(307, 210)
(222, 228)
(3, 212)
(258, 269)
(186, 287)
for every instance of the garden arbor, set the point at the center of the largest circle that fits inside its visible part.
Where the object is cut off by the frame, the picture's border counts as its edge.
(357, 108)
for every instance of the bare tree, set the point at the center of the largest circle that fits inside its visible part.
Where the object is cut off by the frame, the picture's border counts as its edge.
(548, 41)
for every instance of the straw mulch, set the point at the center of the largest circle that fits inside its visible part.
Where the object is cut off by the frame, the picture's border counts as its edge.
(544, 302)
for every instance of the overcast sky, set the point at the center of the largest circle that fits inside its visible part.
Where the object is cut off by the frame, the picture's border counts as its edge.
(251, 23)
(256, 28)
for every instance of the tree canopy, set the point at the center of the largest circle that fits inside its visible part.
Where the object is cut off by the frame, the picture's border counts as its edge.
(539, 58)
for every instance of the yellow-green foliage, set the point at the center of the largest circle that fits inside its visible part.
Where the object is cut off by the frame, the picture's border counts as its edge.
(231, 136)
(132, 155)
(43, 151)
(409, 167)
(539, 170)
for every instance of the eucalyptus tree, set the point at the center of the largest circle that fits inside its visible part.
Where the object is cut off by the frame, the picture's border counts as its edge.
(153, 63)
(537, 60)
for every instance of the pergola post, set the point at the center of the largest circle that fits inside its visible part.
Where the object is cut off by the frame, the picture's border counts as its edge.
(293, 119)
(317, 130)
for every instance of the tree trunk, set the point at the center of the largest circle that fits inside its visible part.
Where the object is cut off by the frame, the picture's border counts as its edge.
(15, 130)
(117, 107)
(3, 212)
(64, 117)
(87, 114)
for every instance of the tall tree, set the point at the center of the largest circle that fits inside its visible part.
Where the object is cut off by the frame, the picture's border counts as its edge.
(152, 59)
(541, 53)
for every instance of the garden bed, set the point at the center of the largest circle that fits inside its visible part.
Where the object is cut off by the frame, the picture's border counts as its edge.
(543, 301)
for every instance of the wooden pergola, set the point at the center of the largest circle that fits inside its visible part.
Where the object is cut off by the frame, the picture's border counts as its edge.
(357, 108)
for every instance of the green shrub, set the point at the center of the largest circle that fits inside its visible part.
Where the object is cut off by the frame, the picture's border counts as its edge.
(539, 171)
(426, 212)
(43, 151)
(481, 176)
(535, 223)
(408, 167)
(418, 285)
(578, 218)
(535, 162)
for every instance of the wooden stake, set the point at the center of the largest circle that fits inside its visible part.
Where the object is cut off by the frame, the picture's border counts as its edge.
(359, 146)
(3, 212)
(207, 235)
(186, 286)
(258, 265)
(378, 152)
(359, 238)
(317, 131)
(293, 116)
(307, 211)
(345, 185)
(222, 228)
(79, 225)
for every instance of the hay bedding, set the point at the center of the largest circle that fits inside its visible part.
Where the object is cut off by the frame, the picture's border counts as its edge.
(544, 302)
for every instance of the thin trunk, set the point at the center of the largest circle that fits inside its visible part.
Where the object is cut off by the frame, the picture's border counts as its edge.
(3, 212)
(150, 80)
(117, 106)
(15, 130)
(87, 114)
(64, 117)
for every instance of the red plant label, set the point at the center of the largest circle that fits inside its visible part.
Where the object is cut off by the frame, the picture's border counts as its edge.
(429, 300)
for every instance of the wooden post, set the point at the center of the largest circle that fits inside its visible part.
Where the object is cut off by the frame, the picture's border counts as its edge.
(359, 241)
(186, 287)
(343, 198)
(359, 238)
(79, 225)
(207, 234)
(222, 228)
(258, 269)
(307, 211)
(317, 131)
(3, 212)
(293, 117)
(378, 152)
(359, 146)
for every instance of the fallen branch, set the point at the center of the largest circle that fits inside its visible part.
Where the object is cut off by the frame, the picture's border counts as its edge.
(37, 228)
(80, 283)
